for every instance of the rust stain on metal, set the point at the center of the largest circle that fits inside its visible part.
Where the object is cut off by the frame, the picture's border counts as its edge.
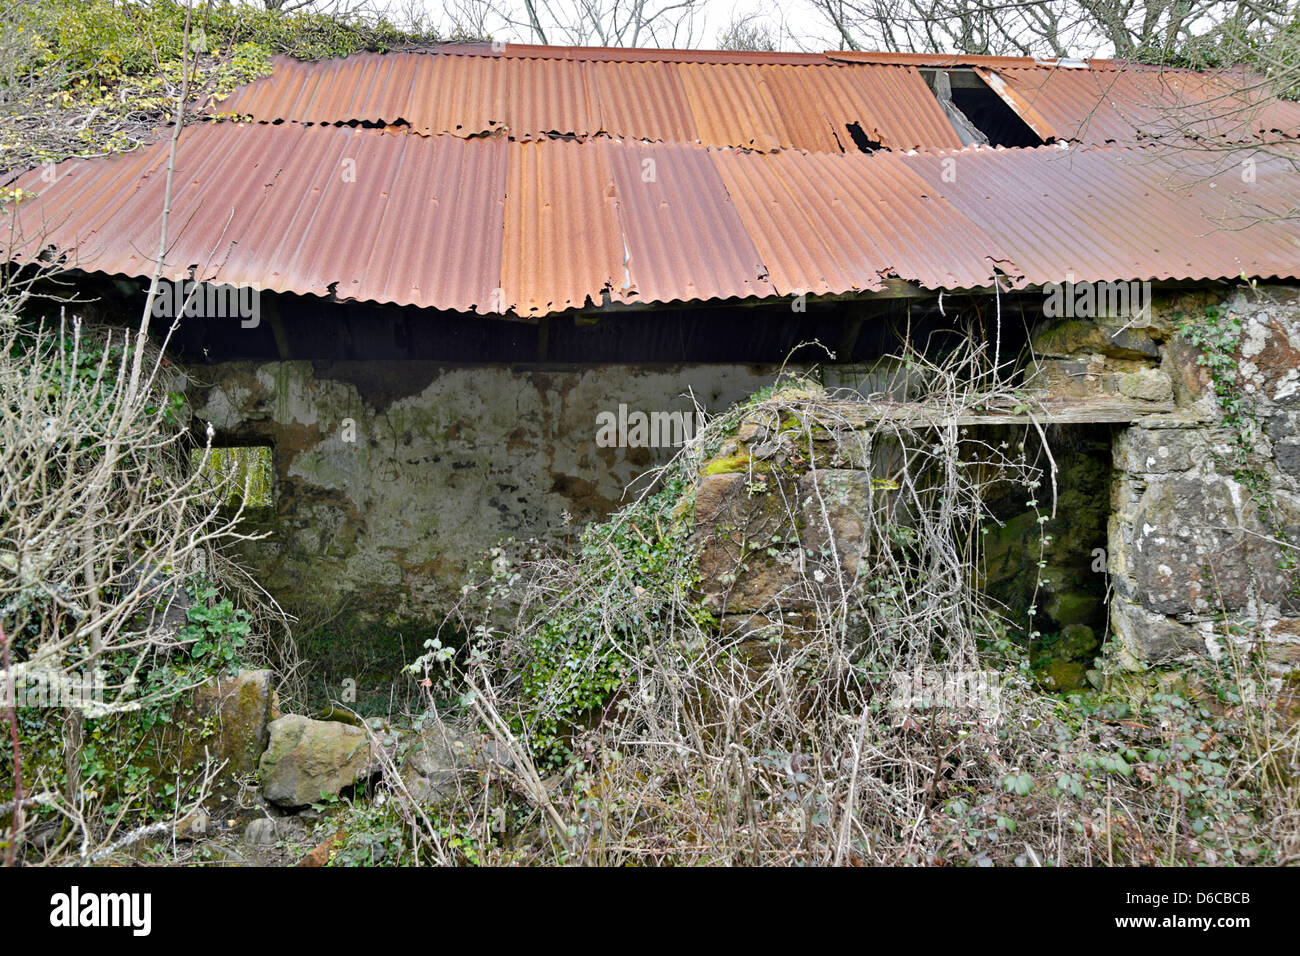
(1137, 106)
(1117, 214)
(733, 107)
(359, 214)
(892, 104)
(837, 224)
(640, 100)
(544, 227)
(685, 239)
(748, 100)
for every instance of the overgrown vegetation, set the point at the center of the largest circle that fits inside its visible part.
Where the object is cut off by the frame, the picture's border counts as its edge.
(351, 664)
(896, 721)
(89, 77)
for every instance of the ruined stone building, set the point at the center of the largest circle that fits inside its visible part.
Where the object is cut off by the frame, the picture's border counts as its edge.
(491, 285)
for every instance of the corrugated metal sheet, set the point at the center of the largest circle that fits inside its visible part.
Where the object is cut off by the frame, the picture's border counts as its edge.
(461, 95)
(1021, 106)
(491, 225)
(563, 242)
(642, 101)
(1130, 107)
(317, 211)
(837, 224)
(1113, 101)
(892, 104)
(733, 107)
(684, 236)
(1113, 214)
(751, 100)
(762, 105)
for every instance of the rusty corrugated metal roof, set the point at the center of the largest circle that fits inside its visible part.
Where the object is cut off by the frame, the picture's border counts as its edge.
(535, 228)
(563, 242)
(1114, 101)
(750, 100)
(766, 104)
(835, 224)
(642, 101)
(310, 210)
(1116, 214)
(892, 104)
(685, 239)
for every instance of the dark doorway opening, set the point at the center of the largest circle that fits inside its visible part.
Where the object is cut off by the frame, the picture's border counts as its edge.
(1044, 560)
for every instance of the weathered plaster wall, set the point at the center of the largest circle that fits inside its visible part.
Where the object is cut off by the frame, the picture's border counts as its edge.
(446, 462)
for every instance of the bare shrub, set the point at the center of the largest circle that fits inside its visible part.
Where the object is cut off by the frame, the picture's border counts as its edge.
(107, 541)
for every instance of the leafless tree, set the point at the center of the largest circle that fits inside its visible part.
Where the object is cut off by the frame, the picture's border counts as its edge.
(1146, 29)
(621, 23)
(339, 8)
(748, 32)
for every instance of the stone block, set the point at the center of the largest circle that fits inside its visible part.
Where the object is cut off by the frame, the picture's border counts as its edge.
(309, 759)
(1147, 385)
(1153, 638)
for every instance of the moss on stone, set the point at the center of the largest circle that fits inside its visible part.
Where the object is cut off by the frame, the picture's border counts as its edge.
(740, 461)
(1063, 675)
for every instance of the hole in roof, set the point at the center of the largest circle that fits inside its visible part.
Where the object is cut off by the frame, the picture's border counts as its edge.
(978, 104)
(861, 140)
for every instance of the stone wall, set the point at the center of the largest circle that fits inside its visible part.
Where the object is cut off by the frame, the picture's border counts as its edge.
(800, 514)
(1198, 509)
(444, 462)
(1190, 541)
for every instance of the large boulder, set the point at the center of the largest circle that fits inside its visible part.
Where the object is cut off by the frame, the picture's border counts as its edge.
(308, 759)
